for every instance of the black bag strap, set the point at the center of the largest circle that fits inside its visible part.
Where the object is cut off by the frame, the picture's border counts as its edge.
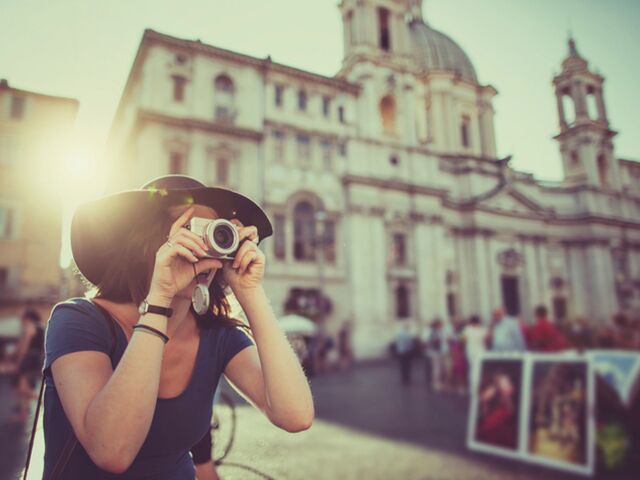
(72, 441)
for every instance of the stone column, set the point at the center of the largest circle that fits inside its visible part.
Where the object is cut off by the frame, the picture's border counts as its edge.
(602, 292)
(430, 272)
(409, 115)
(481, 277)
(560, 105)
(579, 281)
(542, 262)
(602, 112)
(492, 275)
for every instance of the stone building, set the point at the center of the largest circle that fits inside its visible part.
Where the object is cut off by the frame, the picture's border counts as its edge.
(35, 132)
(382, 182)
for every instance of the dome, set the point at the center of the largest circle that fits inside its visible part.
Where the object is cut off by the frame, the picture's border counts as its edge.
(435, 51)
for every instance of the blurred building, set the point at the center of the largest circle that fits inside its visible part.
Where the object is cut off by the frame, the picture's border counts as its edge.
(387, 197)
(35, 131)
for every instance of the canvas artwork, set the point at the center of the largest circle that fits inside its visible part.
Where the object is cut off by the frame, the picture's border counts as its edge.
(559, 429)
(494, 424)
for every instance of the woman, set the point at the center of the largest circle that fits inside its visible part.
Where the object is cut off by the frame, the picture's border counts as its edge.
(135, 402)
(28, 362)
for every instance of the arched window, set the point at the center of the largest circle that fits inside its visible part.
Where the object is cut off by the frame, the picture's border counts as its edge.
(603, 173)
(384, 25)
(592, 103)
(224, 98)
(388, 114)
(304, 232)
(569, 107)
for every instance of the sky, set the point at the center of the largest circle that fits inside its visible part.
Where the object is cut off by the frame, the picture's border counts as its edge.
(84, 49)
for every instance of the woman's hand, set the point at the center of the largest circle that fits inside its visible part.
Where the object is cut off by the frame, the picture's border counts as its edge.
(176, 264)
(246, 270)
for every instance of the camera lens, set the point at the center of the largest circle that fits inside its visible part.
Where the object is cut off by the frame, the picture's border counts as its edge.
(223, 236)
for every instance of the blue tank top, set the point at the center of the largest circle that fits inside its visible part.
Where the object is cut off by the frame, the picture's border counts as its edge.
(178, 423)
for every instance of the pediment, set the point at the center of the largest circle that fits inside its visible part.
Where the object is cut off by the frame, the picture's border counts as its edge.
(512, 201)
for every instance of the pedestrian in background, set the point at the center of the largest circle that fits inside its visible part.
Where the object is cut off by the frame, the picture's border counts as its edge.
(506, 333)
(344, 346)
(425, 348)
(404, 347)
(474, 336)
(544, 336)
(438, 351)
(27, 362)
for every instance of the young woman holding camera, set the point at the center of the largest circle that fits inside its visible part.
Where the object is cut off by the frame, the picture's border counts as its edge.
(131, 371)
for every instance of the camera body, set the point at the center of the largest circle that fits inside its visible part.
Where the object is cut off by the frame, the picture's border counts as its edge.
(220, 236)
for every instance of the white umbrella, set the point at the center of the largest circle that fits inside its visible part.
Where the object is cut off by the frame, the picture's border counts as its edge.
(297, 324)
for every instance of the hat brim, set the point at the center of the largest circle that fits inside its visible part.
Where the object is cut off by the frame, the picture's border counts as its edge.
(99, 223)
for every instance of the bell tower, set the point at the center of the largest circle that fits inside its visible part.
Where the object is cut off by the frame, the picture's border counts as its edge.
(377, 28)
(585, 137)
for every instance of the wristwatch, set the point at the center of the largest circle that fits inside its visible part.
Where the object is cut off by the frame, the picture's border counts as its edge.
(145, 307)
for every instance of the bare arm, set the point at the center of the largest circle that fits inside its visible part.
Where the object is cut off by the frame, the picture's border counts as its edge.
(111, 411)
(269, 374)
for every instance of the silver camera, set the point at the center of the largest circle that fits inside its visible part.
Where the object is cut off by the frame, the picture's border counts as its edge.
(220, 236)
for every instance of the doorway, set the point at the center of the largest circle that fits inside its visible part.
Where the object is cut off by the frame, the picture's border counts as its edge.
(511, 295)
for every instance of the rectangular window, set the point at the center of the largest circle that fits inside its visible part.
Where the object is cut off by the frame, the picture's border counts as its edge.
(330, 241)
(222, 171)
(17, 107)
(279, 95)
(279, 244)
(327, 154)
(464, 132)
(326, 106)
(179, 84)
(342, 149)
(341, 114)
(304, 147)
(451, 304)
(384, 40)
(402, 302)
(302, 100)
(278, 145)
(6, 221)
(176, 163)
(399, 248)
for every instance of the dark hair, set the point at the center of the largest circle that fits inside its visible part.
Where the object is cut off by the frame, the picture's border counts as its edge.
(541, 311)
(127, 278)
(474, 320)
(32, 315)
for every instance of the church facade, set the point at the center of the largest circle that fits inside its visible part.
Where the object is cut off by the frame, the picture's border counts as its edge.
(382, 182)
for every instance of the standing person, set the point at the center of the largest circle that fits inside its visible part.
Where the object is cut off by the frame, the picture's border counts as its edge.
(344, 346)
(425, 338)
(474, 335)
(438, 351)
(27, 361)
(131, 368)
(458, 358)
(544, 336)
(404, 350)
(506, 334)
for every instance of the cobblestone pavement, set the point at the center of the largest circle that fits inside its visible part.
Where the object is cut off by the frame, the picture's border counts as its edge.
(367, 426)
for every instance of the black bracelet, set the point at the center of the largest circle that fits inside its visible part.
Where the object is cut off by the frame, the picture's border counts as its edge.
(155, 331)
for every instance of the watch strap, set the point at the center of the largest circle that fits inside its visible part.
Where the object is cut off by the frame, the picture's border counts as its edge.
(167, 312)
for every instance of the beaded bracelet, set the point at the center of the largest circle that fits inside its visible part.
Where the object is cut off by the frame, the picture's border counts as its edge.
(151, 330)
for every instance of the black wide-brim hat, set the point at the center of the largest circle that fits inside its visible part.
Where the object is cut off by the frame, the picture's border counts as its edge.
(99, 223)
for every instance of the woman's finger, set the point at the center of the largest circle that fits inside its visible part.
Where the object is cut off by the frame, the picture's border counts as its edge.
(244, 247)
(181, 221)
(249, 232)
(190, 234)
(180, 250)
(246, 260)
(207, 264)
(190, 243)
